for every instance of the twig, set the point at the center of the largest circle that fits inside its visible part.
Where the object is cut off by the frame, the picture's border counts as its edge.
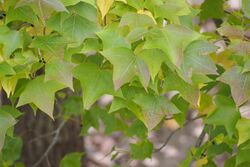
(174, 132)
(201, 137)
(54, 141)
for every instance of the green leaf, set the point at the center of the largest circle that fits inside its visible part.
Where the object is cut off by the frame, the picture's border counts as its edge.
(196, 58)
(243, 127)
(141, 150)
(72, 160)
(111, 38)
(154, 59)
(172, 39)
(134, 20)
(126, 69)
(226, 114)
(43, 7)
(239, 84)
(10, 39)
(246, 7)
(50, 43)
(41, 94)
(6, 69)
(172, 9)
(173, 82)
(24, 13)
(61, 71)
(12, 149)
(72, 106)
(6, 121)
(78, 28)
(217, 11)
(95, 82)
(154, 109)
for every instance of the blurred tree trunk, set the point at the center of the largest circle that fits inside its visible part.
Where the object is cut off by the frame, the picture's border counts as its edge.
(36, 132)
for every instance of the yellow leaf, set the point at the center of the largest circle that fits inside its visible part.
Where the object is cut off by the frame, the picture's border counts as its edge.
(148, 13)
(104, 6)
(201, 162)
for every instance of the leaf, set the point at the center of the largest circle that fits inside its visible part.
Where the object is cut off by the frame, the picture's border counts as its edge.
(232, 32)
(171, 10)
(72, 106)
(243, 127)
(141, 150)
(12, 149)
(50, 43)
(126, 69)
(95, 82)
(135, 20)
(43, 7)
(112, 39)
(226, 114)
(24, 13)
(41, 94)
(172, 40)
(239, 84)
(6, 69)
(72, 160)
(10, 39)
(154, 59)
(154, 109)
(6, 121)
(61, 71)
(104, 6)
(78, 28)
(173, 82)
(246, 7)
(196, 58)
(217, 11)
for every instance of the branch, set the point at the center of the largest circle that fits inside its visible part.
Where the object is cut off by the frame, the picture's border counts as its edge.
(201, 137)
(174, 132)
(54, 141)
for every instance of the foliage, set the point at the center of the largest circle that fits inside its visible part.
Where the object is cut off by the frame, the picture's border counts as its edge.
(138, 51)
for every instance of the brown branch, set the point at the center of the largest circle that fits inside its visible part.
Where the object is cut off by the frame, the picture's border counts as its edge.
(174, 132)
(201, 137)
(52, 144)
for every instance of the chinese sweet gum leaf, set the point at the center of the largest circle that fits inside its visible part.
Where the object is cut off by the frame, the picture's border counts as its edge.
(50, 43)
(126, 69)
(78, 28)
(104, 6)
(232, 32)
(209, 9)
(95, 82)
(6, 69)
(196, 58)
(111, 38)
(41, 94)
(172, 9)
(173, 82)
(24, 13)
(172, 39)
(154, 109)
(72, 159)
(239, 83)
(246, 7)
(141, 150)
(6, 121)
(43, 7)
(60, 71)
(226, 114)
(243, 127)
(12, 149)
(85, 10)
(154, 59)
(134, 20)
(10, 39)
